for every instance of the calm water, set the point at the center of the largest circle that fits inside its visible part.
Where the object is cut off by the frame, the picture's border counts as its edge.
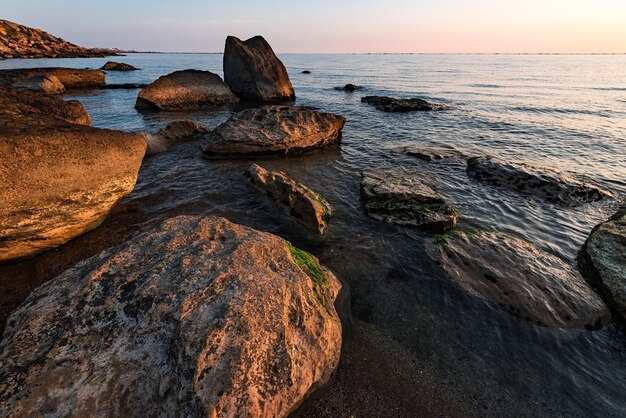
(567, 112)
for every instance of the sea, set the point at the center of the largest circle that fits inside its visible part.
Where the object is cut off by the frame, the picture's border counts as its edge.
(565, 112)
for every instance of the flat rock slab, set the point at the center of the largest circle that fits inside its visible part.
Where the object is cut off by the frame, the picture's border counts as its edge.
(71, 78)
(196, 317)
(522, 279)
(185, 90)
(399, 195)
(603, 261)
(293, 198)
(274, 130)
(173, 133)
(254, 72)
(390, 104)
(553, 186)
(118, 66)
(48, 84)
(59, 179)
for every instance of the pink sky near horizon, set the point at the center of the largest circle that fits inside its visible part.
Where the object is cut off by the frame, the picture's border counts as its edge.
(325, 26)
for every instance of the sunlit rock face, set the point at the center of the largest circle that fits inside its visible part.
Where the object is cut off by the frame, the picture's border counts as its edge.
(603, 261)
(545, 183)
(59, 177)
(48, 84)
(274, 130)
(293, 198)
(194, 317)
(522, 279)
(253, 72)
(401, 195)
(185, 90)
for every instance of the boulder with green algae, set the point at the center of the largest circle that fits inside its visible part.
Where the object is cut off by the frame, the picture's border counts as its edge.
(603, 261)
(401, 195)
(194, 317)
(522, 279)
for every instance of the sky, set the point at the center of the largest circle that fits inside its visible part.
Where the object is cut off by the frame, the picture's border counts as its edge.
(327, 26)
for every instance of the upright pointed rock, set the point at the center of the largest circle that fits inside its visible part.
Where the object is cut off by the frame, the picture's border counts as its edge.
(253, 72)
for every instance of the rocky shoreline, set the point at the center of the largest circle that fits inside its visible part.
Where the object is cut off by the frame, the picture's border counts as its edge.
(211, 318)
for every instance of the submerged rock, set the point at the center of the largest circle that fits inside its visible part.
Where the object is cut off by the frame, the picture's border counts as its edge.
(349, 88)
(253, 72)
(430, 153)
(527, 282)
(274, 130)
(71, 78)
(118, 66)
(123, 86)
(389, 104)
(603, 261)
(42, 83)
(400, 196)
(172, 133)
(306, 72)
(293, 198)
(59, 179)
(196, 317)
(185, 90)
(545, 183)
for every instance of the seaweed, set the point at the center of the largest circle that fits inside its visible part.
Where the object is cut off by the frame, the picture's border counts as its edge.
(308, 264)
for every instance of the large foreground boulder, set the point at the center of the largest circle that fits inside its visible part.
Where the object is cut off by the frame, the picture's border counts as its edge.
(185, 90)
(293, 198)
(274, 130)
(399, 195)
(527, 282)
(59, 179)
(197, 317)
(390, 104)
(173, 133)
(253, 72)
(603, 261)
(71, 78)
(553, 186)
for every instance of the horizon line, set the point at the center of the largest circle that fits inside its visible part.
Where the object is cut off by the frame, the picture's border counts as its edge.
(380, 53)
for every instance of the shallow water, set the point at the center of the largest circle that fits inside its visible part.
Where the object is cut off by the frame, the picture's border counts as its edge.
(566, 112)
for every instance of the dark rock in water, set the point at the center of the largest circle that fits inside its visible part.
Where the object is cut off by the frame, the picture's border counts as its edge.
(603, 261)
(253, 72)
(59, 179)
(185, 90)
(38, 109)
(274, 130)
(545, 183)
(293, 198)
(398, 195)
(42, 83)
(127, 86)
(195, 317)
(351, 87)
(389, 104)
(430, 153)
(118, 66)
(174, 132)
(71, 78)
(525, 281)
(306, 72)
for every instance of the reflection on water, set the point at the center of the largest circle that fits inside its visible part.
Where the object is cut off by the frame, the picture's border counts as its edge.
(565, 112)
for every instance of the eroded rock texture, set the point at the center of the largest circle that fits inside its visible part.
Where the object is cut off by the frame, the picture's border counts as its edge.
(196, 317)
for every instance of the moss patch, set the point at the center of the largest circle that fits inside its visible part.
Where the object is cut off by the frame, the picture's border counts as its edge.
(311, 267)
(472, 161)
(620, 213)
